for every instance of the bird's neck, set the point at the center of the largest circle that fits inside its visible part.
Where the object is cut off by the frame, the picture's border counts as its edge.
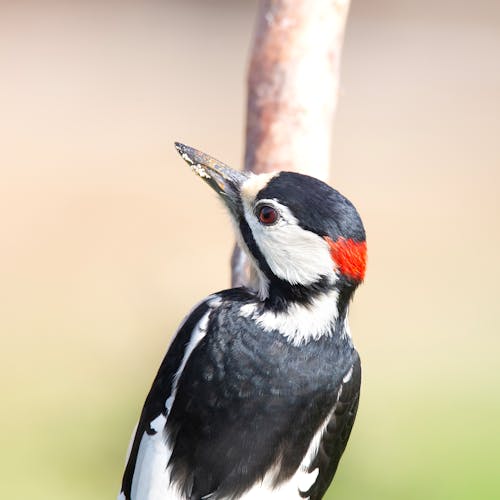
(303, 314)
(282, 295)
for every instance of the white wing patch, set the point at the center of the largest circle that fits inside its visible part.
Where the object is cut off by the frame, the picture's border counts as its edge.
(346, 332)
(288, 490)
(348, 376)
(299, 323)
(151, 480)
(302, 480)
(198, 333)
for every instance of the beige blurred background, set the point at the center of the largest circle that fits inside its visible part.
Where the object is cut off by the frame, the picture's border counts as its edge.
(107, 239)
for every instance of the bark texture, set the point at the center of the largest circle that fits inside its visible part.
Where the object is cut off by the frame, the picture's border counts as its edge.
(293, 82)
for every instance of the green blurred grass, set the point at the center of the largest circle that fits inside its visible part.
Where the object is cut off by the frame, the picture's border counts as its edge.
(436, 446)
(411, 440)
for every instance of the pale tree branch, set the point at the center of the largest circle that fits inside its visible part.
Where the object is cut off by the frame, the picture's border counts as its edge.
(293, 82)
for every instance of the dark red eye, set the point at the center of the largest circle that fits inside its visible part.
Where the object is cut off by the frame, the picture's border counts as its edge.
(267, 215)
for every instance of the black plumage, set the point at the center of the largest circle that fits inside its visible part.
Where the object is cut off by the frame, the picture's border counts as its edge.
(255, 389)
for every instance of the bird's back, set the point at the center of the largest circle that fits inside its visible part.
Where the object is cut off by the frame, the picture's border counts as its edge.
(237, 411)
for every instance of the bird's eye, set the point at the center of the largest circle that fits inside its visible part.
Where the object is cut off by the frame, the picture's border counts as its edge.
(267, 215)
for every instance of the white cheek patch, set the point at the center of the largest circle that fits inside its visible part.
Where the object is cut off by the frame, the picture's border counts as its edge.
(294, 254)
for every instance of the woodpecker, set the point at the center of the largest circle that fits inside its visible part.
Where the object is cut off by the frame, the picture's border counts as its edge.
(258, 392)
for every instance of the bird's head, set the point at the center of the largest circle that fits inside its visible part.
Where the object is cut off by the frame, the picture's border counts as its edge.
(301, 236)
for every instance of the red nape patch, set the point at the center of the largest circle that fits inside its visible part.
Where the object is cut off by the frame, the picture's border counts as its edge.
(350, 256)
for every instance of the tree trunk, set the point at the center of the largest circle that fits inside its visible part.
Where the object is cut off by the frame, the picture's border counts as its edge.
(293, 82)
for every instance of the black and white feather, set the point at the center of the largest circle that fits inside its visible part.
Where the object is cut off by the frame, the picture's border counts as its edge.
(257, 394)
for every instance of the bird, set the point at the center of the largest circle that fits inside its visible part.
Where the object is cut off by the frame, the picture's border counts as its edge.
(258, 392)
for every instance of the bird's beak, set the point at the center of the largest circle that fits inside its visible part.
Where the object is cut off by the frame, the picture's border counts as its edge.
(224, 180)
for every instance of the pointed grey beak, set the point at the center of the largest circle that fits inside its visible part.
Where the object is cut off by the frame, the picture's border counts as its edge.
(222, 179)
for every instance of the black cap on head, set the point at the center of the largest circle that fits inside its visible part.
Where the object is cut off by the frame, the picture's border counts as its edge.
(317, 207)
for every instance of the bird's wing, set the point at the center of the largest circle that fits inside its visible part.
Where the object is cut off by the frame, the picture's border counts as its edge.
(146, 469)
(336, 433)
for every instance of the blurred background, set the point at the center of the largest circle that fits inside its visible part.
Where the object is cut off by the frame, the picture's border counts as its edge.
(107, 239)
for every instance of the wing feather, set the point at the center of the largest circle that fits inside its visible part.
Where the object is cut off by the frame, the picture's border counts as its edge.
(336, 433)
(148, 445)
